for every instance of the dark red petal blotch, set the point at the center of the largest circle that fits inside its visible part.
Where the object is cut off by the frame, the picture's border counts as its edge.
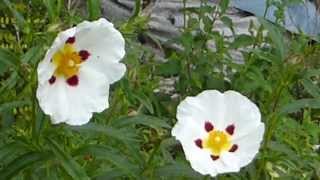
(52, 79)
(71, 40)
(84, 54)
(214, 157)
(230, 129)
(208, 126)
(233, 148)
(198, 142)
(73, 81)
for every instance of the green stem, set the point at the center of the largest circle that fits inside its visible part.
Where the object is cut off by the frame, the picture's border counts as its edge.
(271, 127)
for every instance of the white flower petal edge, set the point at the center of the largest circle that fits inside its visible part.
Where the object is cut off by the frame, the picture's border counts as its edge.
(75, 75)
(219, 132)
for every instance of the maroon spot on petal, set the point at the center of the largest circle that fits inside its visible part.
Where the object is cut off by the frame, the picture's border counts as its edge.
(214, 157)
(233, 148)
(71, 40)
(73, 81)
(198, 142)
(84, 54)
(208, 126)
(52, 79)
(230, 129)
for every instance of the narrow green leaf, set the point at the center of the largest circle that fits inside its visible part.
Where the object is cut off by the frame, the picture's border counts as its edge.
(311, 88)
(95, 129)
(275, 36)
(32, 55)
(16, 14)
(224, 5)
(14, 104)
(145, 101)
(228, 22)
(52, 8)
(299, 104)
(137, 9)
(149, 121)
(9, 83)
(94, 9)
(111, 155)
(8, 59)
(242, 40)
(67, 162)
(9, 150)
(22, 162)
(176, 170)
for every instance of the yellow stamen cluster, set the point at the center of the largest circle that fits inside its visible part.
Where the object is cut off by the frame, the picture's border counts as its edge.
(217, 142)
(67, 61)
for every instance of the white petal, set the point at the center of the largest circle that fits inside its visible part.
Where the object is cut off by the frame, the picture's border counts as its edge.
(52, 99)
(207, 106)
(241, 112)
(248, 146)
(90, 95)
(74, 105)
(105, 45)
(46, 68)
(112, 70)
(231, 162)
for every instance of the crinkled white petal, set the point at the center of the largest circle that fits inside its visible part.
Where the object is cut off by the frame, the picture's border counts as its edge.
(74, 105)
(249, 145)
(91, 95)
(204, 107)
(222, 110)
(244, 114)
(105, 45)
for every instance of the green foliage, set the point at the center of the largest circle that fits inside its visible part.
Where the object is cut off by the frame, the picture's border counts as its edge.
(132, 139)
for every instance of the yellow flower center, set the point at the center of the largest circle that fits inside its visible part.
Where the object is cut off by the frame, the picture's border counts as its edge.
(67, 61)
(217, 142)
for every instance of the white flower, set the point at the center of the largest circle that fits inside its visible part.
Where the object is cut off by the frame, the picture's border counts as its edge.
(219, 132)
(75, 75)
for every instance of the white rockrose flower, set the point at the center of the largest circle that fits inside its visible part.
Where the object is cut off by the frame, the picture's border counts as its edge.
(75, 75)
(219, 132)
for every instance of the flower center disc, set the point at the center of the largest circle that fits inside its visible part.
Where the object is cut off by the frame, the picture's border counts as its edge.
(67, 61)
(217, 142)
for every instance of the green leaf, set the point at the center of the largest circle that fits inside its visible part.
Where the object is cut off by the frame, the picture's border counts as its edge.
(170, 68)
(149, 121)
(176, 170)
(53, 8)
(228, 22)
(67, 162)
(32, 56)
(8, 59)
(311, 88)
(94, 9)
(16, 14)
(111, 155)
(13, 104)
(224, 5)
(143, 99)
(242, 40)
(22, 162)
(10, 150)
(276, 37)
(95, 129)
(9, 83)
(299, 104)
(137, 9)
